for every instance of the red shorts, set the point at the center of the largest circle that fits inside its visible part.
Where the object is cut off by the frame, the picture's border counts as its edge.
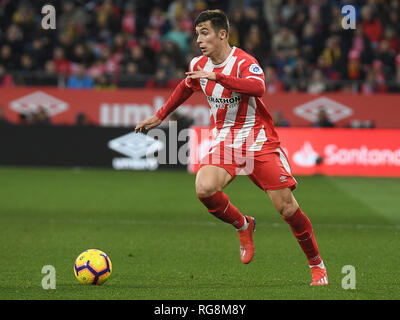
(269, 171)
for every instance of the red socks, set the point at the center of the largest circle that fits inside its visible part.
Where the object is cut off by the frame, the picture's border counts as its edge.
(219, 205)
(302, 230)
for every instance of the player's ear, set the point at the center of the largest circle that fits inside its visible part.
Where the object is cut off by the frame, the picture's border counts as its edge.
(222, 34)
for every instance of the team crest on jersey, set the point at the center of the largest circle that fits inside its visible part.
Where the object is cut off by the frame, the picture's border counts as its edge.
(256, 69)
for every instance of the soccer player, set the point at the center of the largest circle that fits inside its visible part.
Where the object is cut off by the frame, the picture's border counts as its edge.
(244, 138)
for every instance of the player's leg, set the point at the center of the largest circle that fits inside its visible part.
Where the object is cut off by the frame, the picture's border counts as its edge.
(272, 174)
(285, 203)
(210, 180)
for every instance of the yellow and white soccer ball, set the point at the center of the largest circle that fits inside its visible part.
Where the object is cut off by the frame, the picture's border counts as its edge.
(92, 267)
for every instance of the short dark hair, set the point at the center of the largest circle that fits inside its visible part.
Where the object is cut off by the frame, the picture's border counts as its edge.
(218, 19)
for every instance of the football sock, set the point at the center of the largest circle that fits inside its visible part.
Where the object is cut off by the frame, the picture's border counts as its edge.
(321, 265)
(302, 230)
(245, 225)
(220, 207)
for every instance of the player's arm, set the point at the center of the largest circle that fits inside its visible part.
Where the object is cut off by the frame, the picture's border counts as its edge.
(250, 83)
(181, 93)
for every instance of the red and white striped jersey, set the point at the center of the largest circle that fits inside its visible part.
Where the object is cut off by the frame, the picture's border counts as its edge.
(239, 118)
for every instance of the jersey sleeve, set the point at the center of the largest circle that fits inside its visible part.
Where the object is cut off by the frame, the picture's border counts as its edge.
(180, 94)
(250, 69)
(193, 84)
(250, 79)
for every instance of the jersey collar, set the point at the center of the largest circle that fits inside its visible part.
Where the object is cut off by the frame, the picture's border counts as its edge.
(225, 61)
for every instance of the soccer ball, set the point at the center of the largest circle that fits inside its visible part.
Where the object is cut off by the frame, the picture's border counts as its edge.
(92, 267)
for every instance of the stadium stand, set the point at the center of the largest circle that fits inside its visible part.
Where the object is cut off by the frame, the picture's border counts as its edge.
(113, 43)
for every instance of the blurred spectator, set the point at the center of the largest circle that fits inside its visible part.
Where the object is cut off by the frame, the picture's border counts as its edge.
(107, 16)
(24, 15)
(284, 41)
(3, 120)
(254, 43)
(38, 53)
(234, 36)
(97, 69)
(392, 19)
(327, 69)
(80, 80)
(111, 60)
(104, 82)
(354, 70)
(279, 119)
(178, 36)
(41, 117)
(323, 120)
(393, 39)
(82, 120)
(160, 80)
(397, 79)
(176, 79)
(288, 10)
(386, 57)
(6, 80)
(132, 77)
(373, 83)
(158, 19)
(26, 119)
(309, 42)
(73, 19)
(137, 55)
(332, 53)
(377, 69)
(7, 58)
(81, 54)
(317, 83)
(14, 37)
(26, 63)
(361, 46)
(129, 19)
(371, 25)
(50, 76)
(165, 64)
(171, 49)
(63, 65)
(301, 75)
(273, 84)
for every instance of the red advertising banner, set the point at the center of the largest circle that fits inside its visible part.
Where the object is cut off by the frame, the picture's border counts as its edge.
(127, 107)
(334, 152)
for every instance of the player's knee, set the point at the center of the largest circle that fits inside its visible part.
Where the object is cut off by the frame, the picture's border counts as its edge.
(205, 189)
(287, 209)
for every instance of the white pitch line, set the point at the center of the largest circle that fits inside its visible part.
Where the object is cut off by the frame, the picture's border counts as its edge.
(218, 224)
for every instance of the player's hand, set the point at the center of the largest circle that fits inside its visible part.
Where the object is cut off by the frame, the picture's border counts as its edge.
(201, 74)
(147, 124)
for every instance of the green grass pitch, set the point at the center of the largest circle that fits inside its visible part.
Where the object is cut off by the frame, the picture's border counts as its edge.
(163, 244)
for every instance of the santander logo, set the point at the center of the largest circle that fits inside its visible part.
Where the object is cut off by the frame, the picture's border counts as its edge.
(361, 156)
(335, 155)
(306, 156)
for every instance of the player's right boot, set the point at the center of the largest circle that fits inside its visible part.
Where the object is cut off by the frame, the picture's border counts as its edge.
(319, 276)
(246, 241)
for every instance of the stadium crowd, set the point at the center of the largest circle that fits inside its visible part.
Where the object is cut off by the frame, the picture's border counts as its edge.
(104, 44)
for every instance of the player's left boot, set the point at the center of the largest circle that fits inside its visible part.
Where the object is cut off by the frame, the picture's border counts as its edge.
(246, 241)
(319, 276)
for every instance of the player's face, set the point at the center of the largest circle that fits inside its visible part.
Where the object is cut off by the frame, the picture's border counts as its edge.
(208, 40)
